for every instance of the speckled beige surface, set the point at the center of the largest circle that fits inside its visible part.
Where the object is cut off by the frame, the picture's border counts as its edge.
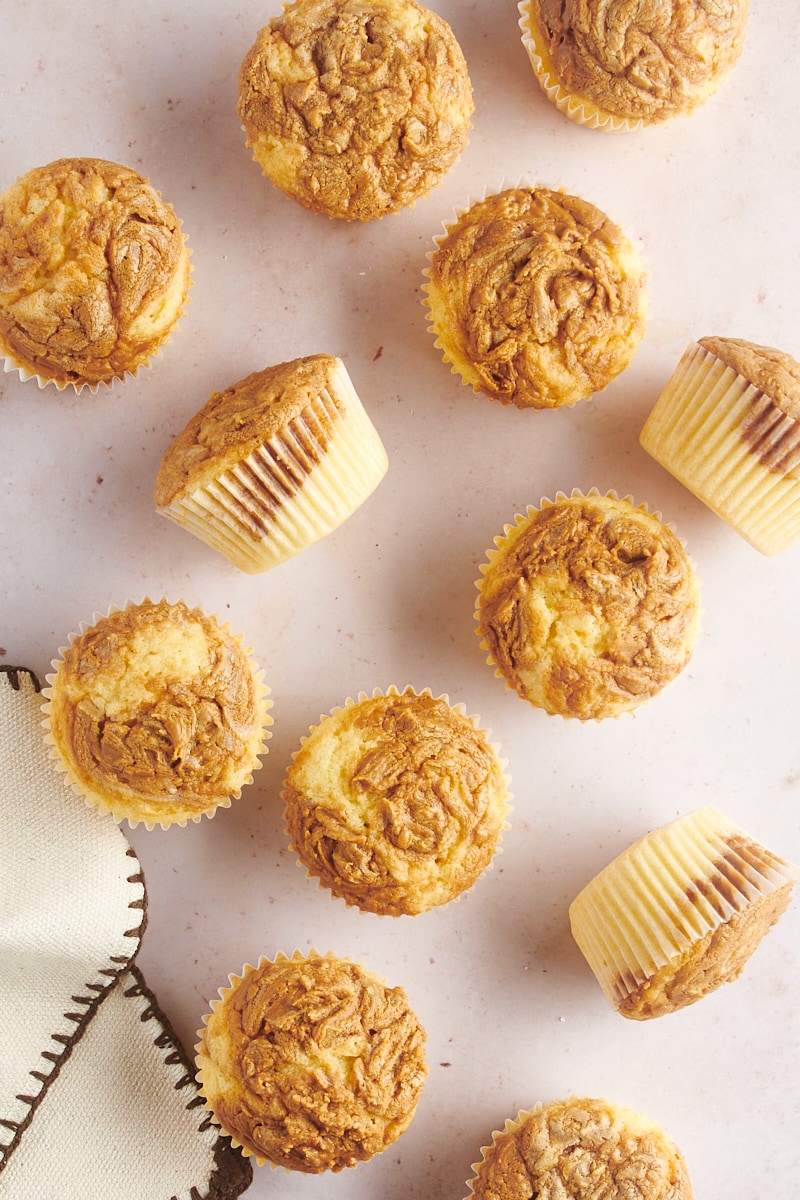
(513, 1014)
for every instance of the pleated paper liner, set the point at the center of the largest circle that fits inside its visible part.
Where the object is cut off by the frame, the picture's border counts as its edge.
(612, 706)
(125, 803)
(298, 487)
(218, 1075)
(425, 880)
(441, 323)
(730, 445)
(578, 108)
(666, 893)
(572, 1141)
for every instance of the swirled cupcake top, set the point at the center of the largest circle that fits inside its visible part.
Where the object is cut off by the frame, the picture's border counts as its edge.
(93, 271)
(642, 61)
(313, 1063)
(355, 107)
(396, 803)
(537, 297)
(771, 371)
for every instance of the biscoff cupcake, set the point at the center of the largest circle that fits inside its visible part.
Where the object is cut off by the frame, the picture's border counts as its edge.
(581, 1147)
(355, 108)
(535, 297)
(679, 913)
(396, 802)
(311, 1063)
(94, 273)
(619, 68)
(588, 605)
(157, 714)
(273, 463)
(727, 425)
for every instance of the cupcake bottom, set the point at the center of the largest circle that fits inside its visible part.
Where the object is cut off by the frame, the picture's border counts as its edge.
(731, 446)
(296, 488)
(679, 913)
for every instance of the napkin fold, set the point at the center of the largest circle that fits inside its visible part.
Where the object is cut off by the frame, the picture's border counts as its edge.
(97, 1097)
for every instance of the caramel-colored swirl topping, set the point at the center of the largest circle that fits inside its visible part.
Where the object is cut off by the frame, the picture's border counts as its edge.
(584, 1149)
(396, 803)
(93, 270)
(313, 1064)
(156, 708)
(355, 108)
(642, 61)
(590, 607)
(537, 297)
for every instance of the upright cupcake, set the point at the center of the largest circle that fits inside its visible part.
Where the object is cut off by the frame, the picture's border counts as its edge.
(273, 463)
(396, 802)
(581, 1148)
(355, 108)
(157, 714)
(535, 297)
(311, 1063)
(727, 425)
(618, 67)
(679, 913)
(94, 273)
(588, 606)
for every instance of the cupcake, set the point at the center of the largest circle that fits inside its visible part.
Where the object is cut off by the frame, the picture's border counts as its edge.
(94, 273)
(535, 297)
(273, 463)
(620, 67)
(157, 714)
(727, 425)
(581, 1148)
(396, 802)
(355, 108)
(679, 913)
(588, 606)
(311, 1063)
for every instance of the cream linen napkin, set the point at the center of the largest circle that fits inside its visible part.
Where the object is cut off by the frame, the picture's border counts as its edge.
(97, 1098)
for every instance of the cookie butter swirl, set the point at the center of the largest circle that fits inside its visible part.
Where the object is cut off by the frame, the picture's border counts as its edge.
(313, 1064)
(396, 803)
(536, 297)
(642, 61)
(585, 1149)
(589, 606)
(157, 712)
(93, 271)
(355, 108)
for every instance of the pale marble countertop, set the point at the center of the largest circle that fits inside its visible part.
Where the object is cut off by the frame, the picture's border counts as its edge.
(512, 1012)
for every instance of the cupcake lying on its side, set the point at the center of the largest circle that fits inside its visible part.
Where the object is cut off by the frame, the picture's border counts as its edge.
(679, 913)
(273, 463)
(355, 108)
(727, 425)
(396, 802)
(618, 67)
(588, 606)
(94, 273)
(535, 297)
(157, 714)
(311, 1062)
(580, 1148)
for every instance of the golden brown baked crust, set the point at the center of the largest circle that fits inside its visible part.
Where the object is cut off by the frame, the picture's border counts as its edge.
(537, 298)
(589, 607)
(642, 62)
(94, 271)
(585, 1149)
(396, 803)
(355, 107)
(235, 422)
(157, 713)
(312, 1064)
(771, 371)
